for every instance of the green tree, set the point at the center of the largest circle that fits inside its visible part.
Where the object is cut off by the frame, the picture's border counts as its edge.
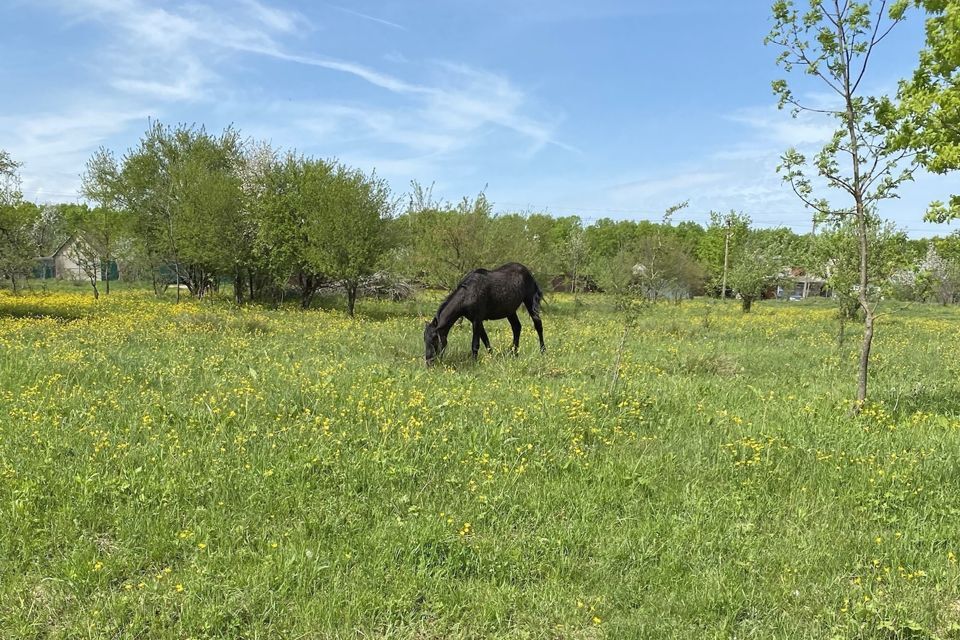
(97, 235)
(663, 270)
(349, 233)
(182, 187)
(446, 241)
(929, 106)
(836, 248)
(724, 238)
(18, 250)
(833, 42)
(758, 268)
(289, 196)
(259, 160)
(569, 252)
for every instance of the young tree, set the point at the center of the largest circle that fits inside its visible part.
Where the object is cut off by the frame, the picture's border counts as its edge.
(724, 237)
(758, 268)
(97, 235)
(288, 211)
(570, 251)
(349, 233)
(17, 220)
(833, 42)
(181, 186)
(445, 240)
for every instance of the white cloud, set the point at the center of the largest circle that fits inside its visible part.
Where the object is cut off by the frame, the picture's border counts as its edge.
(55, 146)
(779, 128)
(170, 54)
(276, 19)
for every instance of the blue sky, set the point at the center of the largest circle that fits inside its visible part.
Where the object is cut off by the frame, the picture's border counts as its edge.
(606, 108)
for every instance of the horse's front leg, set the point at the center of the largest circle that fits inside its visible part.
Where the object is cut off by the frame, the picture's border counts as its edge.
(475, 342)
(483, 337)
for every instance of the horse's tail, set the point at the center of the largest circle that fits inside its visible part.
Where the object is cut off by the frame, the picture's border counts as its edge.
(537, 298)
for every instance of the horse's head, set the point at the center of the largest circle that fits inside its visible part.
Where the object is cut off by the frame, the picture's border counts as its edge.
(434, 342)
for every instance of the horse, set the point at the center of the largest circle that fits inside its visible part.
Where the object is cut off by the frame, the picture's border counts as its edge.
(486, 295)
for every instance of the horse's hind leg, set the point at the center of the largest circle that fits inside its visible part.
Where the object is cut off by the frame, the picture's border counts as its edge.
(483, 336)
(515, 325)
(535, 316)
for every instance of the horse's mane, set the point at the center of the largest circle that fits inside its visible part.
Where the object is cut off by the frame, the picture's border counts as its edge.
(468, 279)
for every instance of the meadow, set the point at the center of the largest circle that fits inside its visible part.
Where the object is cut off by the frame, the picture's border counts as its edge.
(198, 470)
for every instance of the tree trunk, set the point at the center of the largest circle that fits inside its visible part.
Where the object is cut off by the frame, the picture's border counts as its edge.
(746, 303)
(238, 286)
(726, 259)
(863, 241)
(351, 297)
(864, 360)
(868, 311)
(308, 284)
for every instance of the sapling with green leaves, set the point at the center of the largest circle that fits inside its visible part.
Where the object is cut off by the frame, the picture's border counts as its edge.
(17, 219)
(833, 42)
(759, 267)
(350, 237)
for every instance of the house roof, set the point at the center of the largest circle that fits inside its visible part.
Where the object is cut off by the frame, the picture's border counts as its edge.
(62, 247)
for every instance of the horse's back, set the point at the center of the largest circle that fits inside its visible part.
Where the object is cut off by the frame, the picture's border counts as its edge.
(495, 294)
(514, 268)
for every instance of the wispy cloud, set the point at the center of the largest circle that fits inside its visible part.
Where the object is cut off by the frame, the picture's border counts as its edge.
(546, 11)
(54, 146)
(279, 20)
(645, 189)
(777, 127)
(426, 119)
(163, 53)
(365, 16)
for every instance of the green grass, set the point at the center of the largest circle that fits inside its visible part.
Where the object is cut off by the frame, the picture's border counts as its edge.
(194, 470)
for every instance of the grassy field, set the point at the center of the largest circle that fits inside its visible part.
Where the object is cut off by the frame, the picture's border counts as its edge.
(195, 470)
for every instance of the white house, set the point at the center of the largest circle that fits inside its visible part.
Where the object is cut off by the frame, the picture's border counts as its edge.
(62, 264)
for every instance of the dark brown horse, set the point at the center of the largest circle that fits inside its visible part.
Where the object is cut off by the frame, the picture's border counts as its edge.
(486, 295)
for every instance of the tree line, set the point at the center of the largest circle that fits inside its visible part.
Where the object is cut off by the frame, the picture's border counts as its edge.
(203, 210)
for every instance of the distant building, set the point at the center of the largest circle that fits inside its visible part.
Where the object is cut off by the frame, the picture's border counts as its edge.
(62, 265)
(805, 285)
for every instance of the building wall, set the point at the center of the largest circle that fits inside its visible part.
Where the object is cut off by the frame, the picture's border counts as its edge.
(66, 268)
